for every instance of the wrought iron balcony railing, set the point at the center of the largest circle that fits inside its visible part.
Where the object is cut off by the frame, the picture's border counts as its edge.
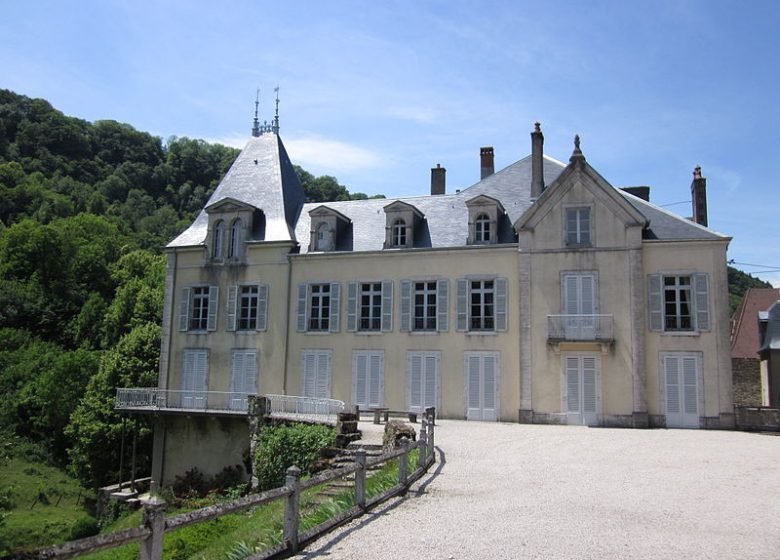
(597, 328)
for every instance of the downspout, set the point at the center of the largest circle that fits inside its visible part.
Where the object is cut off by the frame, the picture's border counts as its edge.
(287, 322)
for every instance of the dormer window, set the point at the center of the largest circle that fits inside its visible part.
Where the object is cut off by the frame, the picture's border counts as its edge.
(324, 237)
(399, 233)
(402, 219)
(482, 229)
(484, 213)
(329, 230)
(218, 244)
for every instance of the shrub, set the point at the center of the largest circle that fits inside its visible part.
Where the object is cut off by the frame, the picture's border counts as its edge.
(192, 484)
(281, 447)
(84, 527)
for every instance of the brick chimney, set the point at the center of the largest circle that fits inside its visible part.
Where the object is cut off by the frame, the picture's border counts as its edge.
(699, 197)
(486, 164)
(537, 161)
(438, 179)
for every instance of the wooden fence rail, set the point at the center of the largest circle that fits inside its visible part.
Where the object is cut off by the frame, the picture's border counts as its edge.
(156, 524)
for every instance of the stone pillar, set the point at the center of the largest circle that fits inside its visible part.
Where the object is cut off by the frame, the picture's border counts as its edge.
(292, 508)
(526, 340)
(154, 520)
(638, 327)
(257, 409)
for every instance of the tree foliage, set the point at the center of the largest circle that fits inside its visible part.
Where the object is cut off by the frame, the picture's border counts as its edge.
(739, 283)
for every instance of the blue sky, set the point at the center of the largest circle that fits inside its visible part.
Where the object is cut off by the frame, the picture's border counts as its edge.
(377, 93)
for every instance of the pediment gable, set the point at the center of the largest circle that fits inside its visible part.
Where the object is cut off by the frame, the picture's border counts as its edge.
(324, 211)
(228, 205)
(400, 206)
(580, 175)
(485, 200)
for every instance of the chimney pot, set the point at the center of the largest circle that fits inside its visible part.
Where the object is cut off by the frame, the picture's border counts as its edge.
(537, 161)
(486, 162)
(699, 197)
(438, 180)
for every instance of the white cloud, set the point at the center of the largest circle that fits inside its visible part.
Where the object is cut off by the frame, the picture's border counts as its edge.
(325, 155)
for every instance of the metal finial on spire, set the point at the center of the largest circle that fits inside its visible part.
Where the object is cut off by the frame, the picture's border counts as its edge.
(276, 116)
(256, 124)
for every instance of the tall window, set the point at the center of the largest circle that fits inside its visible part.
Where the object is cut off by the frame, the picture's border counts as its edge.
(324, 238)
(248, 306)
(219, 240)
(235, 239)
(199, 309)
(578, 226)
(482, 229)
(319, 307)
(399, 233)
(371, 306)
(482, 316)
(677, 303)
(425, 306)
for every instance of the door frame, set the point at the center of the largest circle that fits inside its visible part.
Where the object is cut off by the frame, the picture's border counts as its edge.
(496, 355)
(579, 418)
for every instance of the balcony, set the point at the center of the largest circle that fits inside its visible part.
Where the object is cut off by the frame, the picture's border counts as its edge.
(217, 403)
(580, 328)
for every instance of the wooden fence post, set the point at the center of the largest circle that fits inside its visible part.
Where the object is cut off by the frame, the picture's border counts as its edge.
(154, 520)
(423, 444)
(403, 465)
(360, 478)
(292, 508)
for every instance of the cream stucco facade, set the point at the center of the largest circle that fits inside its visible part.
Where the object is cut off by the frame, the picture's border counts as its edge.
(578, 304)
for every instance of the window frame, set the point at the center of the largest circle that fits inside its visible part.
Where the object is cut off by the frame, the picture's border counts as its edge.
(218, 241)
(579, 232)
(323, 307)
(198, 319)
(429, 307)
(671, 295)
(369, 315)
(699, 304)
(485, 319)
(234, 239)
(482, 233)
(399, 233)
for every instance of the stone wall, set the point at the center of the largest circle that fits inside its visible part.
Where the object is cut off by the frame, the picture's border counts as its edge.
(747, 381)
(754, 418)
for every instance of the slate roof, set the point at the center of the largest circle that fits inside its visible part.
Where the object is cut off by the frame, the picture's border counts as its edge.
(745, 338)
(446, 216)
(262, 176)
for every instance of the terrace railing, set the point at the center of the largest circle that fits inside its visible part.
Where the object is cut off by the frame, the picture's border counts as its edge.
(580, 328)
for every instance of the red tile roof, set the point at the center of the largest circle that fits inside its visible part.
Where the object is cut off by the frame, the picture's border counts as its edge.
(744, 322)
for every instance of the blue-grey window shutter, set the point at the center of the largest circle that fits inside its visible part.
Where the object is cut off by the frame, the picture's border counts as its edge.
(211, 323)
(655, 301)
(184, 309)
(302, 305)
(463, 304)
(352, 306)
(262, 307)
(442, 305)
(406, 306)
(335, 304)
(701, 285)
(501, 306)
(387, 306)
(231, 307)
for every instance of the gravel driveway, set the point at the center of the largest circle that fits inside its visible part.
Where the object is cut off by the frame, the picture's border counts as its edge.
(519, 491)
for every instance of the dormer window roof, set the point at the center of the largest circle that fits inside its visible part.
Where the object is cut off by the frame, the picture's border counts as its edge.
(230, 224)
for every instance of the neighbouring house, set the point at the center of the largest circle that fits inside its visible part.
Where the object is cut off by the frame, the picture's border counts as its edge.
(540, 294)
(745, 343)
(769, 351)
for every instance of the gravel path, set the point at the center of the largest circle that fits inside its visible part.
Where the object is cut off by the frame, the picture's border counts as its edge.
(518, 491)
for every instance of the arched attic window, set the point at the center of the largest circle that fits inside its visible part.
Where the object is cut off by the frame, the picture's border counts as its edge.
(218, 246)
(324, 237)
(399, 233)
(234, 243)
(482, 229)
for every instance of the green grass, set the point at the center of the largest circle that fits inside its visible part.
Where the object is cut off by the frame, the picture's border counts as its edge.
(43, 502)
(238, 535)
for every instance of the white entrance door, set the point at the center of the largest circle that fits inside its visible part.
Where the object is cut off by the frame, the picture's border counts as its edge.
(243, 378)
(681, 373)
(193, 381)
(422, 379)
(481, 386)
(582, 392)
(580, 306)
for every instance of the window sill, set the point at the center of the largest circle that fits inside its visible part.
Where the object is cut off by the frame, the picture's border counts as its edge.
(423, 333)
(369, 333)
(319, 333)
(480, 333)
(681, 333)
